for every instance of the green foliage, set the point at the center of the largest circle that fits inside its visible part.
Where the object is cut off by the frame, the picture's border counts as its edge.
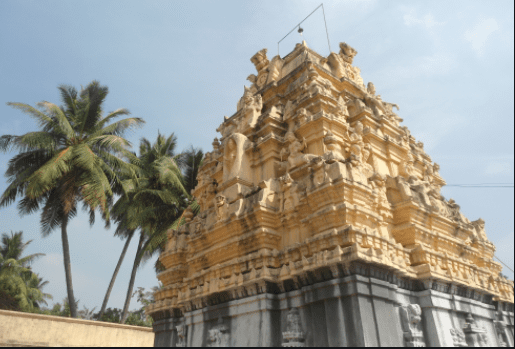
(17, 280)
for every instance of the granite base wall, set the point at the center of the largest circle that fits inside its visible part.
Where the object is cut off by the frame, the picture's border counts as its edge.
(349, 311)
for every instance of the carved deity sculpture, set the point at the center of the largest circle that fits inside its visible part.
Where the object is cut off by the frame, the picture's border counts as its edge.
(274, 69)
(379, 184)
(422, 188)
(500, 329)
(347, 52)
(181, 335)
(261, 63)
(251, 106)
(342, 110)
(479, 227)
(218, 336)
(333, 149)
(411, 316)
(296, 156)
(293, 336)
(455, 213)
(475, 336)
(220, 207)
(437, 201)
(458, 338)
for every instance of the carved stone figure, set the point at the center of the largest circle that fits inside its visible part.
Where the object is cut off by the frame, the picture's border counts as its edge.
(404, 188)
(218, 336)
(500, 329)
(342, 110)
(181, 335)
(347, 52)
(293, 336)
(295, 149)
(274, 69)
(333, 149)
(220, 207)
(261, 63)
(455, 213)
(422, 188)
(475, 336)
(411, 316)
(458, 338)
(438, 201)
(479, 227)
(379, 184)
(251, 106)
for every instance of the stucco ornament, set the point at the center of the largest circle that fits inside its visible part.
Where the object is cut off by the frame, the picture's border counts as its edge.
(458, 338)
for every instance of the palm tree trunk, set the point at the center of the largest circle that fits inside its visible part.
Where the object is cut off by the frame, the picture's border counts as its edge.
(116, 270)
(67, 267)
(133, 279)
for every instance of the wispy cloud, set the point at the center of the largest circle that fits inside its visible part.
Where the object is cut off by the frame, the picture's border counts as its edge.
(479, 35)
(431, 133)
(427, 20)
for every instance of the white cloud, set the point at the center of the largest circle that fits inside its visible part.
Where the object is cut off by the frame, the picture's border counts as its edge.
(478, 35)
(428, 21)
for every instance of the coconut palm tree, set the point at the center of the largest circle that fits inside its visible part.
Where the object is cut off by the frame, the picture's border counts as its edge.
(13, 247)
(155, 200)
(17, 281)
(75, 157)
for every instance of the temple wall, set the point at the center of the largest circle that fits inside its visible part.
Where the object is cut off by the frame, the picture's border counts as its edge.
(349, 311)
(36, 330)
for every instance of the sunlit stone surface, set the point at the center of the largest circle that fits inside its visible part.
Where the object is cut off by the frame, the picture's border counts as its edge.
(322, 223)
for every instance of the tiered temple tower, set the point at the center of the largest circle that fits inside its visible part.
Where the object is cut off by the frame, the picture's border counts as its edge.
(322, 223)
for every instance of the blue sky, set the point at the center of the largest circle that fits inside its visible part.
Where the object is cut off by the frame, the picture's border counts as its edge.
(182, 65)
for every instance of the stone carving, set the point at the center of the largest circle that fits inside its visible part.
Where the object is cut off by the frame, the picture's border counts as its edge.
(181, 335)
(475, 336)
(411, 316)
(220, 207)
(379, 108)
(379, 184)
(438, 201)
(347, 52)
(342, 110)
(218, 335)
(341, 64)
(261, 62)
(293, 336)
(479, 228)
(458, 338)
(251, 106)
(359, 153)
(333, 149)
(274, 69)
(500, 329)
(296, 156)
(422, 188)
(455, 213)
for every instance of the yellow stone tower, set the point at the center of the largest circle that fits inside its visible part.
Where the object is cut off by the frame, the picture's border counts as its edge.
(314, 179)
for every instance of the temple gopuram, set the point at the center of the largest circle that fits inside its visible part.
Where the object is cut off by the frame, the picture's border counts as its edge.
(321, 223)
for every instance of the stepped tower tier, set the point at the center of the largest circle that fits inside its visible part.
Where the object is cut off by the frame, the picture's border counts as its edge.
(313, 183)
